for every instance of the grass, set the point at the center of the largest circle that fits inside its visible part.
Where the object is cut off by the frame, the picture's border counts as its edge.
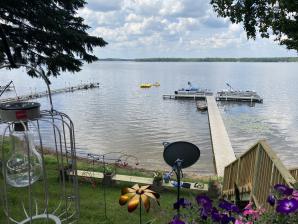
(92, 204)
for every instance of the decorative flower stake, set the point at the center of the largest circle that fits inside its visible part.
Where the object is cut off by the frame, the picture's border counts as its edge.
(137, 195)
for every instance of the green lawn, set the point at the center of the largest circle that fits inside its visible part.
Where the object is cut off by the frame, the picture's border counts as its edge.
(92, 199)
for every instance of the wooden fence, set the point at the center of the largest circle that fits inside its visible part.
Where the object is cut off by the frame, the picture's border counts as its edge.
(255, 173)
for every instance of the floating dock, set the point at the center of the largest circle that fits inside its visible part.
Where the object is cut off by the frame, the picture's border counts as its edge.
(221, 145)
(185, 96)
(239, 98)
(217, 98)
(46, 93)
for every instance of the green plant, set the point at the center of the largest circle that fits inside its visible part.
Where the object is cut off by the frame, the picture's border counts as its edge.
(108, 170)
(157, 176)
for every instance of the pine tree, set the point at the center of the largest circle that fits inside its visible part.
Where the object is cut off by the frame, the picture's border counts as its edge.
(45, 34)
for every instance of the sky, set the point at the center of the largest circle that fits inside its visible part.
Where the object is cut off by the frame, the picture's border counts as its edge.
(171, 28)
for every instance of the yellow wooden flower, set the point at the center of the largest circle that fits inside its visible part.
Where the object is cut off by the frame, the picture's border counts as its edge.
(136, 195)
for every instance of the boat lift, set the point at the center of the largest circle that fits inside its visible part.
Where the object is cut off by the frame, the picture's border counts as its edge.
(6, 87)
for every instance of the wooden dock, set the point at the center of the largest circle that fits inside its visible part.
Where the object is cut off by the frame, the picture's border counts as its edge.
(184, 96)
(221, 145)
(46, 93)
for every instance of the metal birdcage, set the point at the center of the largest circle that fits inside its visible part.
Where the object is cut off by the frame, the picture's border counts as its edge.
(35, 185)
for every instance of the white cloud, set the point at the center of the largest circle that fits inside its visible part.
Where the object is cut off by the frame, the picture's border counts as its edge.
(101, 19)
(182, 25)
(210, 20)
(132, 17)
(104, 5)
(171, 7)
(235, 28)
(164, 28)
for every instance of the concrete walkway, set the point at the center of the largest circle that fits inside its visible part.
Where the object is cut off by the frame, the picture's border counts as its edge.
(222, 148)
(140, 180)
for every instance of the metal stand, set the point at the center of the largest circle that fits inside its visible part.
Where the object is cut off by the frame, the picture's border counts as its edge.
(178, 171)
(117, 158)
(180, 155)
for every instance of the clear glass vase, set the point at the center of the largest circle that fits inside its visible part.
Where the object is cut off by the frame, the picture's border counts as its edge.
(24, 163)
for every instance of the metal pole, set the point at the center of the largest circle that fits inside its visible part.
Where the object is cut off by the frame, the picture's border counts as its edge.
(178, 192)
(104, 187)
(177, 170)
(140, 203)
(5, 88)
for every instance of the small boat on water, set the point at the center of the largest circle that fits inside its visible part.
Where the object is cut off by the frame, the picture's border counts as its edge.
(149, 85)
(146, 85)
(201, 105)
(238, 95)
(191, 90)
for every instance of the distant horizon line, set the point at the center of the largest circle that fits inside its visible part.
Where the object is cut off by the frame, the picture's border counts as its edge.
(206, 59)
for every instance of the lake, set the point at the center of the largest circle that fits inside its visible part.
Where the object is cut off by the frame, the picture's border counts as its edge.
(120, 116)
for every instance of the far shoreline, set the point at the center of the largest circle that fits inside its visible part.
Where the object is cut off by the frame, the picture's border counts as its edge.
(208, 59)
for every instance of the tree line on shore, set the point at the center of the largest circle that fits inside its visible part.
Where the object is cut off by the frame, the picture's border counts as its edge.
(273, 59)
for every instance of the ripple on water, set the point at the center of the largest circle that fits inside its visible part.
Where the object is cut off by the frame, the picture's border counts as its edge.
(121, 116)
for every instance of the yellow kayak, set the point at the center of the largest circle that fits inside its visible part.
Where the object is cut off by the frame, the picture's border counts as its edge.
(145, 85)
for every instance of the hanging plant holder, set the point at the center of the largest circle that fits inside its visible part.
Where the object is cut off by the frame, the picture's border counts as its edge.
(34, 185)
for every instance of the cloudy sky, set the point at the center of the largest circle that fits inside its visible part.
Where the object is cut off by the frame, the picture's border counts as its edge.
(170, 28)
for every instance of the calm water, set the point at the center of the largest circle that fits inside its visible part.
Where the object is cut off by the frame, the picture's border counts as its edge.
(119, 116)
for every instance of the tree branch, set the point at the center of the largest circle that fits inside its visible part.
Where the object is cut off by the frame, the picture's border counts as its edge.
(6, 47)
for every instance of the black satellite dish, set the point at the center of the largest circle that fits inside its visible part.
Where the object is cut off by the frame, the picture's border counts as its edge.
(187, 152)
(180, 155)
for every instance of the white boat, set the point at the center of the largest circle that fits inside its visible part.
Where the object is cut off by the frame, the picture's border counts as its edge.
(238, 95)
(202, 105)
(191, 90)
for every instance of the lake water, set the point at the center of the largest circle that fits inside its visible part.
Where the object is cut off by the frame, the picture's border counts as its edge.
(119, 116)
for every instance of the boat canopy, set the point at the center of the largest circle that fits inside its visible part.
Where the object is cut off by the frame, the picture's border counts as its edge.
(190, 87)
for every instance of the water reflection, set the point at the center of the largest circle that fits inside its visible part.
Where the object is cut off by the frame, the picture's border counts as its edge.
(119, 116)
(230, 104)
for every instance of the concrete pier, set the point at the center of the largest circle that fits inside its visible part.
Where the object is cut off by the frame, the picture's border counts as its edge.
(222, 148)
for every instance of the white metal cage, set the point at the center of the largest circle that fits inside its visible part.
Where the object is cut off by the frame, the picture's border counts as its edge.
(34, 183)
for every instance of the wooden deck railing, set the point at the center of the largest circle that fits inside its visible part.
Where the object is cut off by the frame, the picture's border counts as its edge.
(294, 172)
(255, 173)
